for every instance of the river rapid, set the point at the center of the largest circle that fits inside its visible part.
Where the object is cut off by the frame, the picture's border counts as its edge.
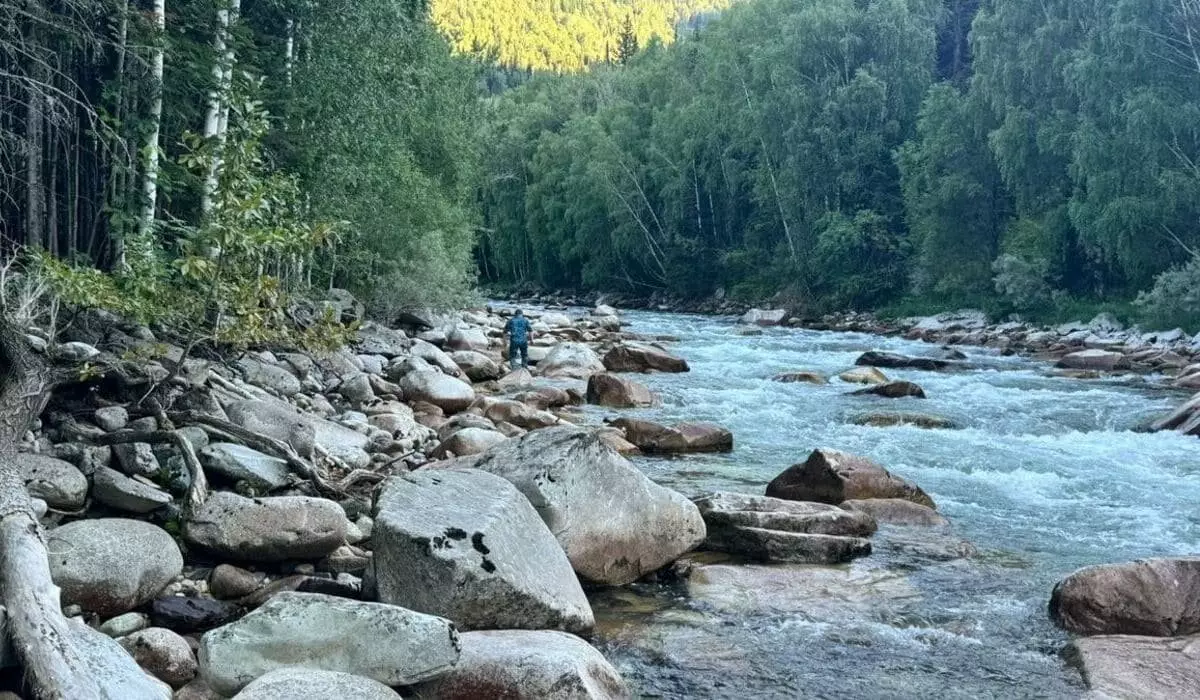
(1045, 475)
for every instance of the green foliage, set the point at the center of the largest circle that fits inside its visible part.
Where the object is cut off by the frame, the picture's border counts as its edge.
(1174, 299)
(1022, 283)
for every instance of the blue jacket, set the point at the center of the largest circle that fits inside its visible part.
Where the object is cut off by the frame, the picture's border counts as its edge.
(518, 330)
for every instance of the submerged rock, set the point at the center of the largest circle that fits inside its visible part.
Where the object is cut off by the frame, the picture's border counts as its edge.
(800, 377)
(893, 390)
(876, 358)
(829, 476)
(897, 511)
(525, 664)
(1157, 597)
(468, 546)
(916, 420)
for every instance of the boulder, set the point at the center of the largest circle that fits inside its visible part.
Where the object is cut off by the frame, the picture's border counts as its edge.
(282, 422)
(227, 581)
(294, 683)
(1155, 597)
(383, 642)
(468, 441)
(240, 463)
(556, 320)
(896, 511)
(266, 529)
(829, 476)
(875, 358)
(516, 412)
(477, 366)
(515, 379)
(1096, 359)
(571, 361)
(111, 418)
(654, 438)
(374, 339)
(1148, 668)
(615, 524)
(111, 565)
(434, 356)
(115, 490)
(642, 357)
(163, 653)
(136, 458)
(603, 310)
(269, 376)
(800, 377)
(523, 664)
(893, 390)
(356, 389)
(445, 392)
(774, 530)
(771, 546)
(760, 317)
(467, 545)
(863, 375)
(112, 670)
(1185, 419)
(606, 389)
(916, 420)
(467, 339)
(59, 483)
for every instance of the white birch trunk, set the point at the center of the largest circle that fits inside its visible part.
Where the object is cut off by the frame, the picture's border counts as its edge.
(216, 120)
(150, 182)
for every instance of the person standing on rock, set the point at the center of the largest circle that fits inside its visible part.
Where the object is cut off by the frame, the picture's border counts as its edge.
(519, 333)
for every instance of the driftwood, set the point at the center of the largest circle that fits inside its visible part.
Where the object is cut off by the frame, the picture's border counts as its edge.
(61, 658)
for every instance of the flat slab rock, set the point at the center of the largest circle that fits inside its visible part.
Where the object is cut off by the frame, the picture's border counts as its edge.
(1148, 668)
(267, 529)
(527, 664)
(654, 438)
(386, 643)
(467, 545)
(724, 509)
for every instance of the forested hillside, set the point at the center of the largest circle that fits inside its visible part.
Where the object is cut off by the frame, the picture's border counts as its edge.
(562, 35)
(215, 156)
(856, 154)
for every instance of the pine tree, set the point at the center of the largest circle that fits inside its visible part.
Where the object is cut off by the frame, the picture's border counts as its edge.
(627, 43)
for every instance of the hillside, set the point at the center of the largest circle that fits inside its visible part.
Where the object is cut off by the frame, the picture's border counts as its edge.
(561, 35)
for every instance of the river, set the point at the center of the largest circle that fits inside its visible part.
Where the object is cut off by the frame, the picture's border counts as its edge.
(1046, 475)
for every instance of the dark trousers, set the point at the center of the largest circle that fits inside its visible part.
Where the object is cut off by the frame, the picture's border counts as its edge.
(515, 350)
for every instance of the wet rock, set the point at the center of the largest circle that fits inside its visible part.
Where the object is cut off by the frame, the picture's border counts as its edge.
(187, 614)
(1101, 360)
(782, 546)
(722, 510)
(829, 476)
(468, 441)
(571, 361)
(760, 317)
(606, 389)
(896, 511)
(115, 490)
(466, 545)
(111, 565)
(642, 357)
(294, 683)
(893, 390)
(863, 375)
(282, 422)
(875, 358)
(654, 438)
(383, 642)
(800, 377)
(163, 653)
(526, 664)
(227, 581)
(266, 529)
(268, 376)
(1127, 666)
(57, 482)
(445, 392)
(615, 524)
(477, 366)
(128, 623)
(111, 418)
(240, 463)
(819, 593)
(916, 420)
(1156, 597)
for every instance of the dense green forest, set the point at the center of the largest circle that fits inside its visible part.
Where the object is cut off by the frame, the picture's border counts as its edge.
(562, 35)
(1019, 154)
(218, 157)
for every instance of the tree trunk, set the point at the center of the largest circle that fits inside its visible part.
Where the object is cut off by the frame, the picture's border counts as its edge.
(150, 182)
(216, 120)
(35, 198)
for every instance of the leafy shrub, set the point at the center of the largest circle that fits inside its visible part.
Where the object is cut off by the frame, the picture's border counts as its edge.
(1174, 299)
(1022, 283)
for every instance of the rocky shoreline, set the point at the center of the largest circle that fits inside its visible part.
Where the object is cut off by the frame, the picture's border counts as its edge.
(405, 514)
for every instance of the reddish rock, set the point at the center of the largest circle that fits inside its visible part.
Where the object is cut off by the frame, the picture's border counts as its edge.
(829, 476)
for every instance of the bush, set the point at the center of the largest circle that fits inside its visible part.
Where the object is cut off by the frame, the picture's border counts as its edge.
(1174, 300)
(1022, 283)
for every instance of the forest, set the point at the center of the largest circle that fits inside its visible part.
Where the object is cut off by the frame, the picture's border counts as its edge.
(1018, 155)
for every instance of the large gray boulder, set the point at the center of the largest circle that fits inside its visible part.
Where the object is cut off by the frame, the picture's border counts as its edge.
(604, 389)
(1147, 668)
(1157, 597)
(374, 339)
(240, 463)
(59, 483)
(466, 545)
(615, 524)
(113, 671)
(269, 376)
(115, 490)
(468, 441)
(283, 422)
(526, 665)
(111, 565)
(266, 529)
(829, 476)
(446, 392)
(386, 643)
(296, 682)
(477, 366)
(1101, 360)
(655, 438)
(434, 356)
(570, 361)
(467, 339)
(642, 357)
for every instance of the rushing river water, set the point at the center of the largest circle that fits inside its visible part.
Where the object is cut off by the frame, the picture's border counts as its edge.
(1046, 475)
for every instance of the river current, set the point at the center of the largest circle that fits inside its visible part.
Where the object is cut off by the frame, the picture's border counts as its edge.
(1045, 475)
